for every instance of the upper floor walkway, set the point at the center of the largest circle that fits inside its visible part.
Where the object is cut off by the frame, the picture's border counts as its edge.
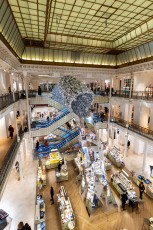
(134, 127)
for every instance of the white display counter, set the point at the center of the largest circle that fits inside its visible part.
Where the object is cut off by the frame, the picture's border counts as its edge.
(122, 183)
(66, 213)
(62, 175)
(40, 213)
(147, 183)
(116, 157)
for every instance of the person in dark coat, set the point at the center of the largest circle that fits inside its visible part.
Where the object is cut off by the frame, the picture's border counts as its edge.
(39, 91)
(11, 130)
(141, 189)
(59, 166)
(37, 145)
(21, 226)
(27, 227)
(124, 199)
(52, 194)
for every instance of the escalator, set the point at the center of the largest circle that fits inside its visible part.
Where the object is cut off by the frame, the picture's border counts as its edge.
(42, 128)
(44, 100)
(69, 138)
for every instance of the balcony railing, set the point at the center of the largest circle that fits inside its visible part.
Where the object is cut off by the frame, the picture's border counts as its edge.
(134, 127)
(141, 95)
(6, 100)
(9, 157)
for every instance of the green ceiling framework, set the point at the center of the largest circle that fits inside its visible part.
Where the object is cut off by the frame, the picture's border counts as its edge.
(78, 31)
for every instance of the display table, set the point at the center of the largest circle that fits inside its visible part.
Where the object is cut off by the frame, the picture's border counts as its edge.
(151, 223)
(122, 184)
(107, 164)
(147, 183)
(3, 219)
(62, 175)
(40, 213)
(53, 159)
(66, 213)
(115, 156)
(79, 161)
(41, 176)
(98, 190)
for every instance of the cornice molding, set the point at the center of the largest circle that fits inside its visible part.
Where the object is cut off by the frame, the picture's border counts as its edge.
(57, 71)
(14, 64)
(7, 57)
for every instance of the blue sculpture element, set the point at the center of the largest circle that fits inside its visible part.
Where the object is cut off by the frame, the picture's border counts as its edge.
(57, 94)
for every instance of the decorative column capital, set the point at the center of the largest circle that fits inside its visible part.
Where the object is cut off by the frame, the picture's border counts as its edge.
(25, 73)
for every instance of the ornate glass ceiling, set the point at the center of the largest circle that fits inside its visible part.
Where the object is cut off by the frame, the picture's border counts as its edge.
(79, 31)
(105, 21)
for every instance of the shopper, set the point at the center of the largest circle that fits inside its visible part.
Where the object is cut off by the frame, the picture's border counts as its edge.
(37, 145)
(63, 161)
(39, 91)
(124, 199)
(46, 144)
(52, 194)
(11, 130)
(21, 226)
(59, 166)
(141, 189)
(128, 144)
(27, 227)
(9, 89)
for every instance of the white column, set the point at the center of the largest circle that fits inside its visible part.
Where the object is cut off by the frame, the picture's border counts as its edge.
(16, 125)
(27, 99)
(144, 158)
(24, 148)
(125, 145)
(136, 114)
(113, 132)
(21, 114)
(110, 94)
(122, 110)
(151, 119)
(30, 114)
(12, 88)
(47, 85)
(20, 163)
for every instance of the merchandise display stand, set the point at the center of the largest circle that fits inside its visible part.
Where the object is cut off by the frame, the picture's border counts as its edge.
(40, 213)
(122, 183)
(147, 183)
(62, 175)
(98, 192)
(41, 176)
(53, 159)
(3, 219)
(79, 161)
(66, 213)
(115, 156)
(108, 164)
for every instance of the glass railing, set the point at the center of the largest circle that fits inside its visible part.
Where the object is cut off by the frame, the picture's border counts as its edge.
(134, 127)
(8, 159)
